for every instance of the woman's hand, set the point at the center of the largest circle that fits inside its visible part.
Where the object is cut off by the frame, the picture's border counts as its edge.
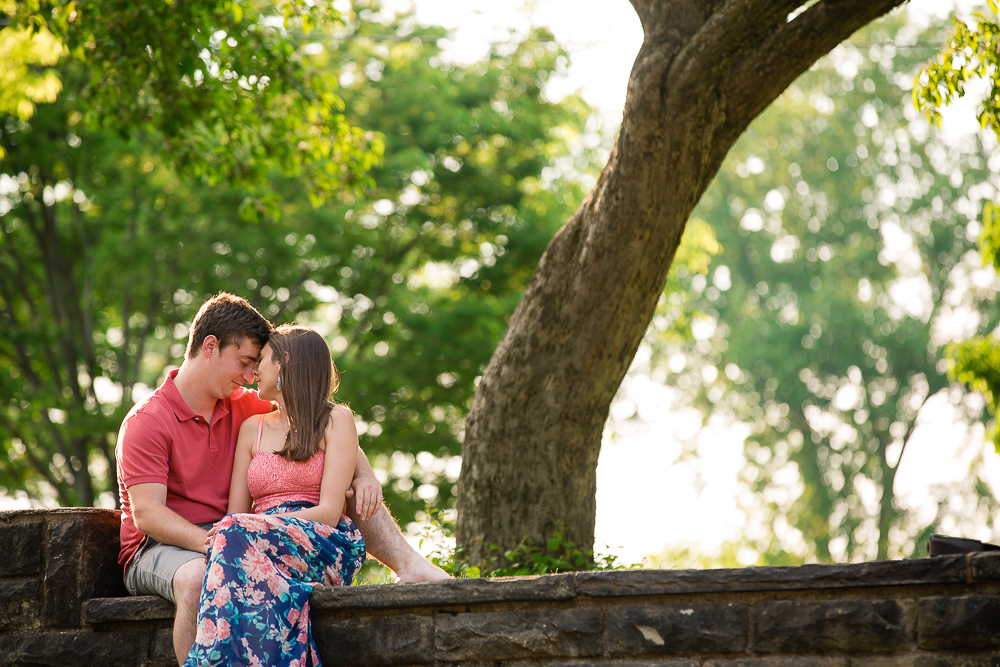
(208, 536)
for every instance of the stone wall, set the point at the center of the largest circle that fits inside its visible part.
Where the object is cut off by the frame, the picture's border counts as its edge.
(61, 603)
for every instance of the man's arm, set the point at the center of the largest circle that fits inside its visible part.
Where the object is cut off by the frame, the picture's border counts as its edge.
(152, 516)
(365, 488)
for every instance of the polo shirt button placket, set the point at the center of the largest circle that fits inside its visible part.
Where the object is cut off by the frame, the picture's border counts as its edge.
(211, 440)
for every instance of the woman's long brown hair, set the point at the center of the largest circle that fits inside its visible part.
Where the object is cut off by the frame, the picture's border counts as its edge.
(308, 377)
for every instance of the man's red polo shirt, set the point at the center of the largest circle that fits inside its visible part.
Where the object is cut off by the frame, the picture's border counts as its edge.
(163, 441)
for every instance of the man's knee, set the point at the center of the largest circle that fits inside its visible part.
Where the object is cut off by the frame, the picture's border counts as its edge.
(187, 583)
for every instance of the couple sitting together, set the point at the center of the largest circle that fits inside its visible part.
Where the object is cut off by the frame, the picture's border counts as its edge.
(235, 510)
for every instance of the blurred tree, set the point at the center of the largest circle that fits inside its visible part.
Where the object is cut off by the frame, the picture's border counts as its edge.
(848, 230)
(220, 82)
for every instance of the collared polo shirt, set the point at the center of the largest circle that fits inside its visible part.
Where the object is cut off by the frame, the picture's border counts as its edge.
(163, 441)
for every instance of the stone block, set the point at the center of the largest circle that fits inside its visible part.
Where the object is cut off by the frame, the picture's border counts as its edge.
(779, 661)
(911, 660)
(831, 626)
(985, 565)
(60, 648)
(964, 623)
(607, 662)
(374, 640)
(550, 587)
(22, 544)
(100, 574)
(514, 634)
(673, 629)
(123, 609)
(19, 606)
(62, 572)
(163, 648)
(941, 570)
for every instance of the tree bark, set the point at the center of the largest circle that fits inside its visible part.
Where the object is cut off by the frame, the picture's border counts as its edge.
(705, 70)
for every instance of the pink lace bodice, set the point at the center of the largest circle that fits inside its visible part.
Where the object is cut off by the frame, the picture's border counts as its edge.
(273, 479)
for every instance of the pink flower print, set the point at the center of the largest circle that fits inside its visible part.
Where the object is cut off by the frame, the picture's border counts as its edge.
(293, 616)
(256, 565)
(323, 529)
(222, 629)
(219, 540)
(303, 625)
(215, 576)
(333, 577)
(222, 597)
(278, 586)
(295, 562)
(299, 536)
(206, 632)
(254, 660)
(254, 523)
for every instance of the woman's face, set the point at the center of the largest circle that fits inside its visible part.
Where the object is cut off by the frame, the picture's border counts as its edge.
(267, 375)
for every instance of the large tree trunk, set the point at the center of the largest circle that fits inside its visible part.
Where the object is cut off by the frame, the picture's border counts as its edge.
(704, 72)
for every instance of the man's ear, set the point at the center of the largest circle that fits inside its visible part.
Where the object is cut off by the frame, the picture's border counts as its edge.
(209, 345)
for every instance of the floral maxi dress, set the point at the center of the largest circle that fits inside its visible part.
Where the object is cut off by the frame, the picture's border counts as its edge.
(254, 607)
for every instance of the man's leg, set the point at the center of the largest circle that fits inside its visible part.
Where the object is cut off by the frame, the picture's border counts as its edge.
(187, 592)
(384, 541)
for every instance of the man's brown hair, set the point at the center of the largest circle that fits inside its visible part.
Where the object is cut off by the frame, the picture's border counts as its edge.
(231, 319)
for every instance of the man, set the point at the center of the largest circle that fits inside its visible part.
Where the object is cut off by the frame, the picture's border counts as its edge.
(175, 458)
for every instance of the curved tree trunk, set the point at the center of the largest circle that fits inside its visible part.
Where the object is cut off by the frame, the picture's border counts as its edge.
(533, 435)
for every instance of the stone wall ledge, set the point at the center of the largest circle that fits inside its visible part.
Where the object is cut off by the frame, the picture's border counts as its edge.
(936, 572)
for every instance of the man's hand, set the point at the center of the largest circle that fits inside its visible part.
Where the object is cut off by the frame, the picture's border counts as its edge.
(367, 493)
(365, 488)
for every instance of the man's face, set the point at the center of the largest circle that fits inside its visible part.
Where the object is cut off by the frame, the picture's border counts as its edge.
(234, 366)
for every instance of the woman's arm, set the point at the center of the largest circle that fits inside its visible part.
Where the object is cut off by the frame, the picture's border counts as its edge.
(239, 491)
(338, 469)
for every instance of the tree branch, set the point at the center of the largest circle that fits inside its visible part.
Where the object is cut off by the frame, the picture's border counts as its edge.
(791, 49)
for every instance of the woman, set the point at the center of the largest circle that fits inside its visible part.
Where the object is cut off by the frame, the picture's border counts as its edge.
(292, 469)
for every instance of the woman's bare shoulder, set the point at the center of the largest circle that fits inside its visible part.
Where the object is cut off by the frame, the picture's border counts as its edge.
(341, 413)
(250, 424)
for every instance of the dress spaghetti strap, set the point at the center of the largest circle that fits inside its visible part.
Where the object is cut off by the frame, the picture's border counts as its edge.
(260, 430)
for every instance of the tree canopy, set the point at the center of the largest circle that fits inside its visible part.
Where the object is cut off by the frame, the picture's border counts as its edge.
(224, 84)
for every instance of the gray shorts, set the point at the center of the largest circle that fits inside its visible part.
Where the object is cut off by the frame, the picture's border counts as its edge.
(152, 569)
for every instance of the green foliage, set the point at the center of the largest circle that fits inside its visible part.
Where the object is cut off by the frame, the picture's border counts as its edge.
(971, 52)
(558, 554)
(21, 84)
(225, 84)
(843, 223)
(975, 362)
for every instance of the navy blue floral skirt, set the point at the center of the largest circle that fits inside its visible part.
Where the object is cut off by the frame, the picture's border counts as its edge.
(254, 607)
